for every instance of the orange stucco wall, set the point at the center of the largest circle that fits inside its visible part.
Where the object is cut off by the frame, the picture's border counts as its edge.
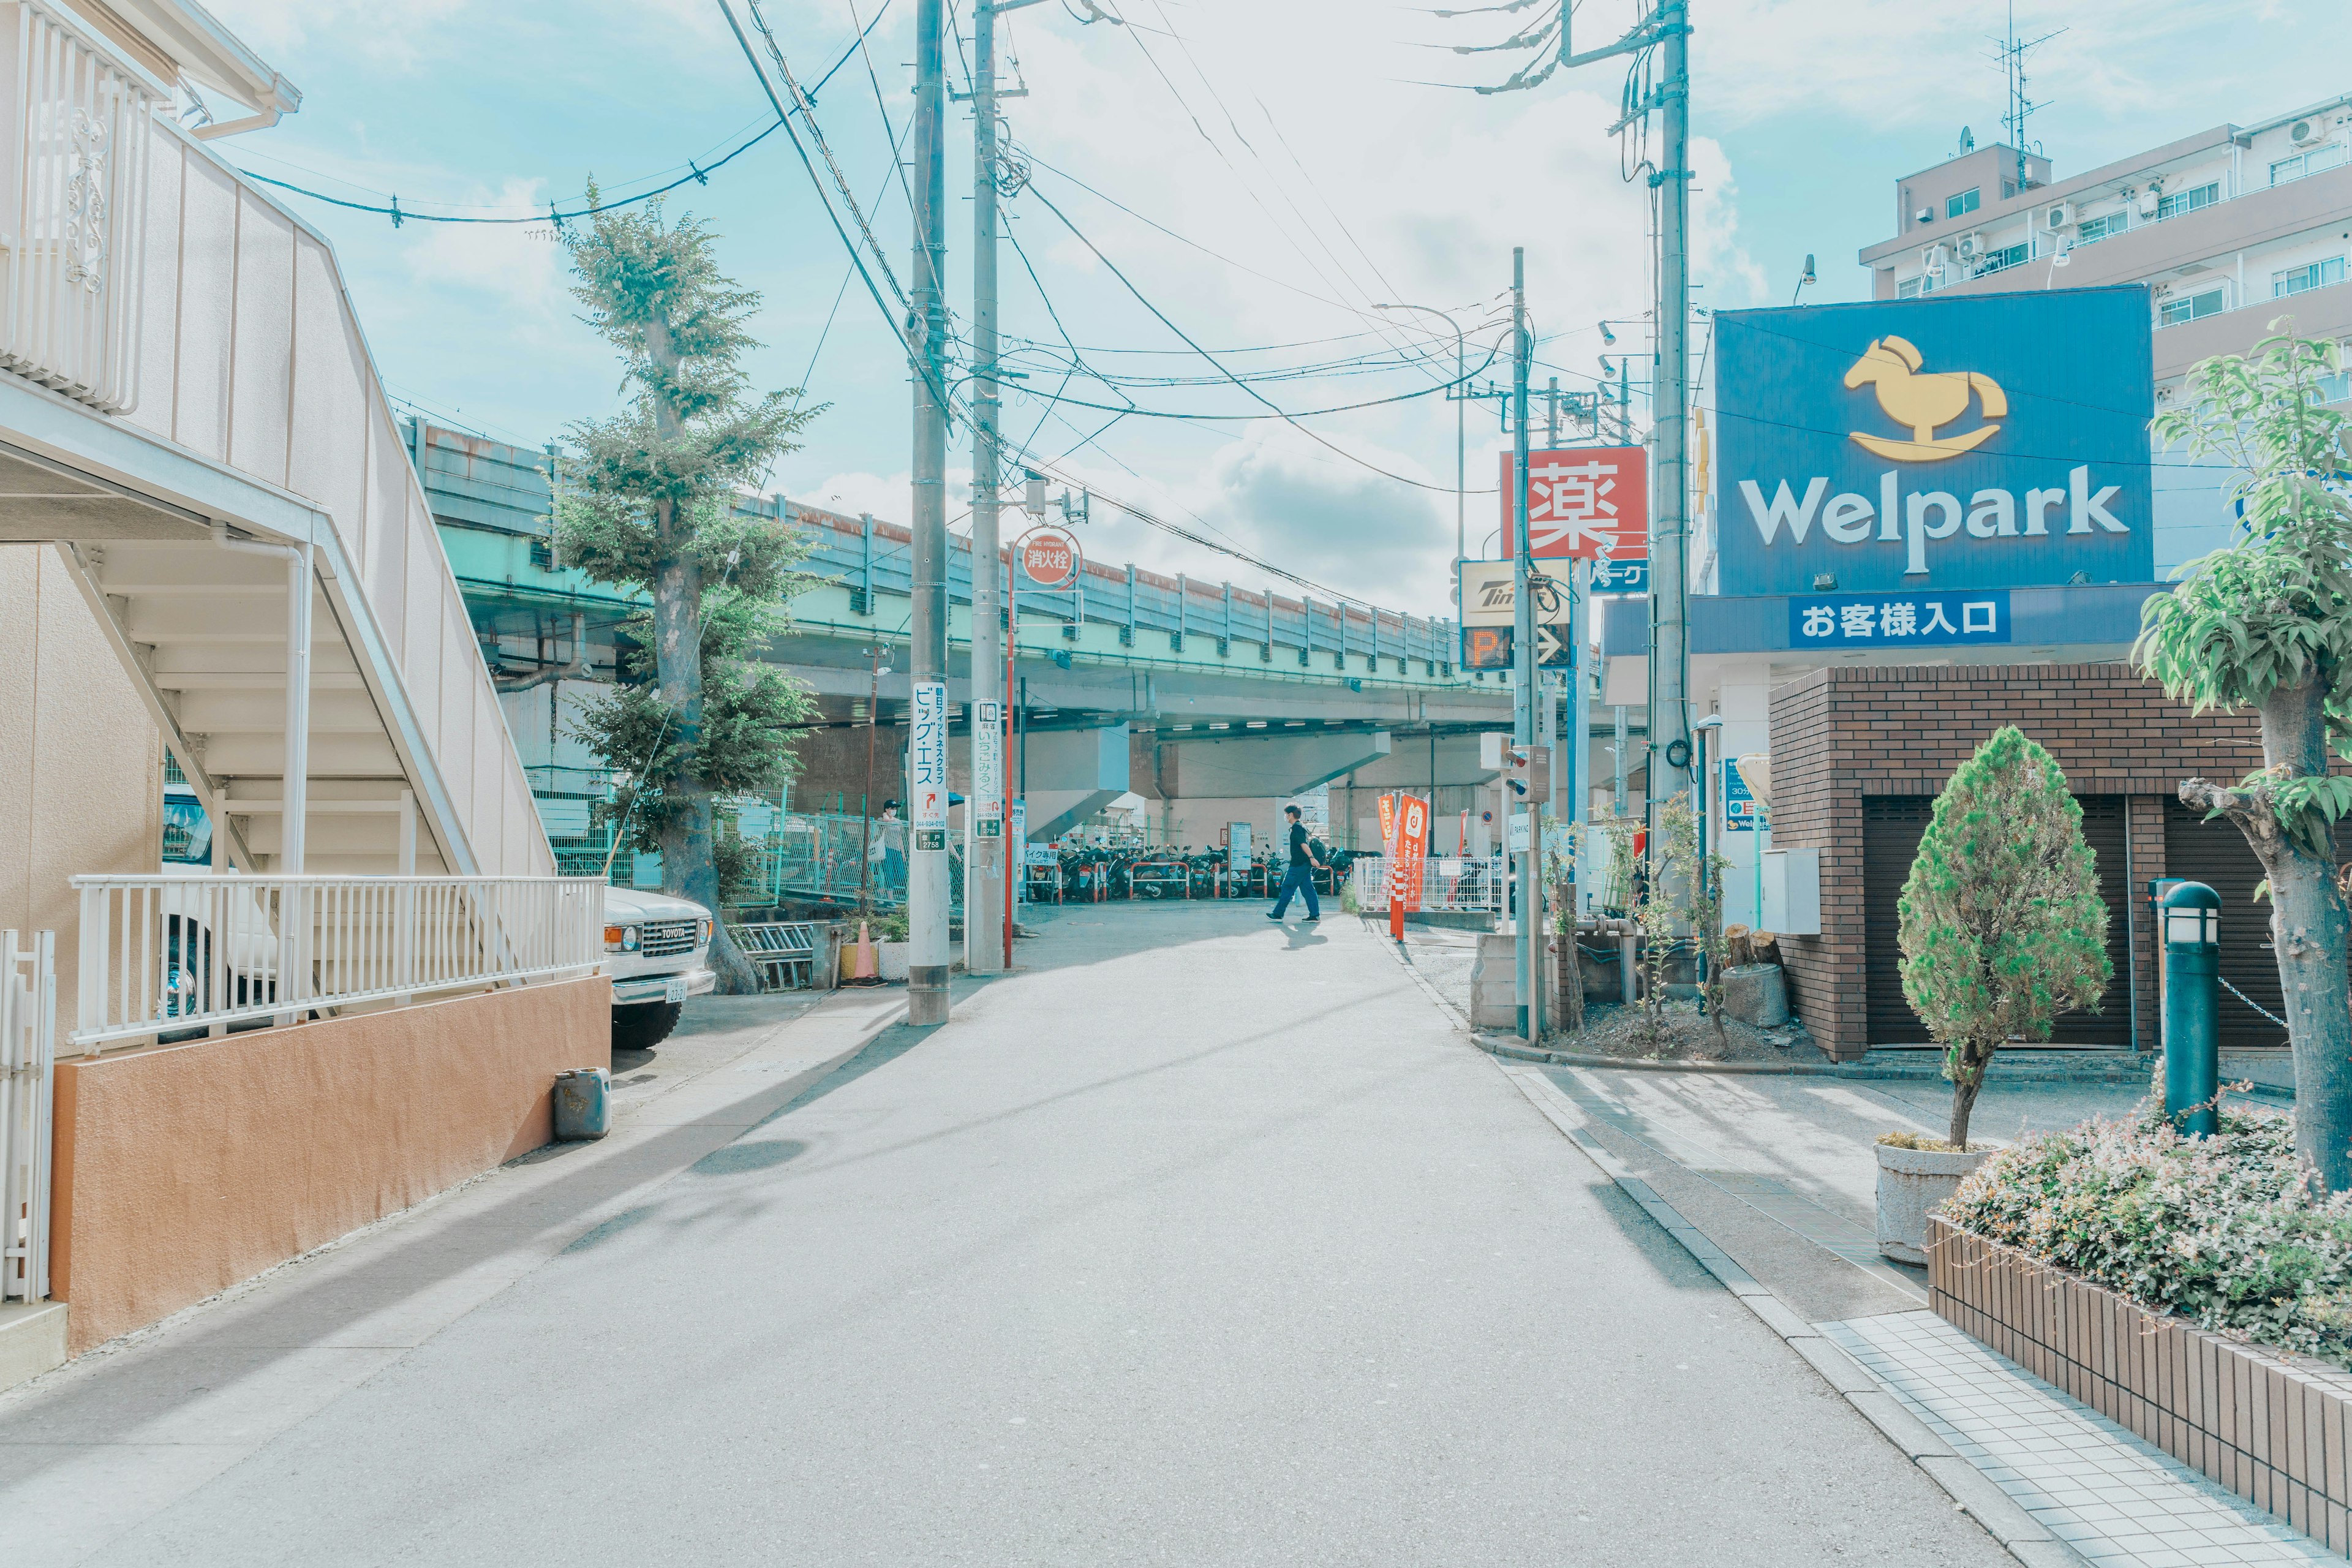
(182, 1169)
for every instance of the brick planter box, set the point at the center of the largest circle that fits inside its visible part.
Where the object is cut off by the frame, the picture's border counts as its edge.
(2272, 1427)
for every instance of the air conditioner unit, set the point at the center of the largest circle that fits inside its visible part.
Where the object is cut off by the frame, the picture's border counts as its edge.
(1971, 246)
(1924, 215)
(2058, 215)
(2304, 133)
(1936, 258)
(2147, 201)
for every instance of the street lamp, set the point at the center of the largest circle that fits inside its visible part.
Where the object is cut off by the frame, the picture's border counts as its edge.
(1803, 278)
(1461, 405)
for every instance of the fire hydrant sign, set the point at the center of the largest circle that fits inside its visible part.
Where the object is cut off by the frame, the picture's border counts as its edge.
(927, 764)
(1050, 557)
(988, 770)
(1405, 865)
(1584, 503)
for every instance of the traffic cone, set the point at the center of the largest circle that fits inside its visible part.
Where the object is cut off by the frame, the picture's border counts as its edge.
(868, 970)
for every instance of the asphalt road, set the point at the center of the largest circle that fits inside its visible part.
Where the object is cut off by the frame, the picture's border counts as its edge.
(1198, 1243)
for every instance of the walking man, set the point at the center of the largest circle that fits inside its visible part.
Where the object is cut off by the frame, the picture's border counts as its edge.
(1300, 878)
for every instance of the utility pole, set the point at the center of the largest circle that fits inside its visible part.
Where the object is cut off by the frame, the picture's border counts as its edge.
(1529, 969)
(927, 876)
(1669, 421)
(984, 943)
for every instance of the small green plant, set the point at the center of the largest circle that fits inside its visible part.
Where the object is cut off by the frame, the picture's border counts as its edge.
(2003, 927)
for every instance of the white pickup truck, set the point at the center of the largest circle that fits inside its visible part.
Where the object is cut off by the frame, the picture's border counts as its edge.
(657, 952)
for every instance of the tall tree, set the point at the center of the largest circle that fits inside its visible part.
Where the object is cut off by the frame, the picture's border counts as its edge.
(2002, 924)
(2266, 624)
(646, 501)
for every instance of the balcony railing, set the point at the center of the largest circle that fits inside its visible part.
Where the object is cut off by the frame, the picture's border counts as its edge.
(73, 201)
(177, 957)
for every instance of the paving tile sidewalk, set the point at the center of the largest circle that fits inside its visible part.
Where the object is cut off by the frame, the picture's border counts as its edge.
(2107, 1494)
(1777, 1173)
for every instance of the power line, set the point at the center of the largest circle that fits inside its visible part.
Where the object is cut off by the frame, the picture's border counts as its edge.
(700, 176)
(1271, 406)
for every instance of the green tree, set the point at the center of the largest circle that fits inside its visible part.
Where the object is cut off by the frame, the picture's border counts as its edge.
(2266, 624)
(646, 501)
(2003, 927)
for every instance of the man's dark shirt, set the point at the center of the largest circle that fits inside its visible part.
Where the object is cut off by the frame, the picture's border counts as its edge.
(1299, 856)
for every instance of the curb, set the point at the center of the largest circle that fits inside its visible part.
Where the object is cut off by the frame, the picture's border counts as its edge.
(1968, 1488)
(2135, 1070)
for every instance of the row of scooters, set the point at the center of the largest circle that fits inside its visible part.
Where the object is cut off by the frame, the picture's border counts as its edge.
(1093, 874)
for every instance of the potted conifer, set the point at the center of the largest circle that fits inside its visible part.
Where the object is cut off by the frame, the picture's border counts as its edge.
(2001, 929)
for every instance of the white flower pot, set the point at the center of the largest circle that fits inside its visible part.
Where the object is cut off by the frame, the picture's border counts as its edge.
(892, 958)
(1912, 1183)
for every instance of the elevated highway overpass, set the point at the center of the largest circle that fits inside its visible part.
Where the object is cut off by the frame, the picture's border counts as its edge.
(1211, 701)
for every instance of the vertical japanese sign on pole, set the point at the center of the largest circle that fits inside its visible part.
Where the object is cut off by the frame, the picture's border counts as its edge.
(1410, 854)
(927, 767)
(1388, 825)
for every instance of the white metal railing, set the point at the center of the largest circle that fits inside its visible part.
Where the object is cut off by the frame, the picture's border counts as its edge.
(188, 955)
(73, 201)
(29, 1032)
(1459, 885)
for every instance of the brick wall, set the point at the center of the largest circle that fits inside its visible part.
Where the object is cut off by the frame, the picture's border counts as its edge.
(1839, 735)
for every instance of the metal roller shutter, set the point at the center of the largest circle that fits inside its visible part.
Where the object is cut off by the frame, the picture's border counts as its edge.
(2216, 854)
(1891, 827)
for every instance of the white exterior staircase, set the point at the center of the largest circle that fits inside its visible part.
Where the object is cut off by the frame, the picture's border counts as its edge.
(233, 495)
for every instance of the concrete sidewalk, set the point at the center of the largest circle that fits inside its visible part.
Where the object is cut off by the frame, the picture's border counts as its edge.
(91, 1449)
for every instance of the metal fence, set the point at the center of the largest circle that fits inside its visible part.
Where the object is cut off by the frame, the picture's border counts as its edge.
(190, 955)
(28, 1028)
(1457, 885)
(825, 855)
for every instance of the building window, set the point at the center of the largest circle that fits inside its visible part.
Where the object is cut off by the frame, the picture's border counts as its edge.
(1966, 202)
(2007, 255)
(1911, 288)
(2309, 162)
(2336, 388)
(2297, 279)
(2189, 201)
(2008, 189)
(2193, 308)
(2094, 229)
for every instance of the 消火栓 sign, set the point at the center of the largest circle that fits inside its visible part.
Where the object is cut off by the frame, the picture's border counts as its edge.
(1985, 441)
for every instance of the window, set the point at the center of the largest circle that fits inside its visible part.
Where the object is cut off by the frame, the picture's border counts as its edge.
(2094, 229)
(2193, 308)
(2007, 255)
(2187, 201)
(2297, 279)
(2008, 189)
(1966, 202)
(2336, 388)
(2309, 162)
(1911, 288)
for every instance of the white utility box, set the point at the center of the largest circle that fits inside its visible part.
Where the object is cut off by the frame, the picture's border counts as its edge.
(1792, 892)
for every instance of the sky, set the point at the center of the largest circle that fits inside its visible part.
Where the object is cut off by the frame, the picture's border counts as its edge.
(1251, 175)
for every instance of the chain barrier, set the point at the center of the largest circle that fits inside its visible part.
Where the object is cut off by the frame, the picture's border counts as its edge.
(2250, 1002)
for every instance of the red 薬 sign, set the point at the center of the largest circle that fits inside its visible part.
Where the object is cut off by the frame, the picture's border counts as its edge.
(1584, 503)
(1050, 557)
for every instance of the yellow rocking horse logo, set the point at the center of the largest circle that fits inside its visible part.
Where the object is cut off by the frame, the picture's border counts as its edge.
(1923, 402)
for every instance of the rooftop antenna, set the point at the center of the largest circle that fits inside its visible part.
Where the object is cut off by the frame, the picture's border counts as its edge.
(2010, 55)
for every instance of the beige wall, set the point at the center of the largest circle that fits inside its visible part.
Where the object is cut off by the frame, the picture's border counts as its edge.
(81, 762)
(182, 1169)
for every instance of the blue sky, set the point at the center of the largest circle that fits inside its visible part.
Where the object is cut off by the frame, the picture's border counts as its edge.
(1289, 142)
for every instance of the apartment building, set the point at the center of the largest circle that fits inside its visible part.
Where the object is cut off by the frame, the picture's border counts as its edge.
(2228, 228)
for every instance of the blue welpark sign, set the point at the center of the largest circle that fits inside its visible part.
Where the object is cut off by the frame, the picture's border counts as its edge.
(1912, 447)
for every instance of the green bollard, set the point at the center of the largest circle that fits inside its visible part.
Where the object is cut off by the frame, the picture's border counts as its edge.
(2192, 913)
